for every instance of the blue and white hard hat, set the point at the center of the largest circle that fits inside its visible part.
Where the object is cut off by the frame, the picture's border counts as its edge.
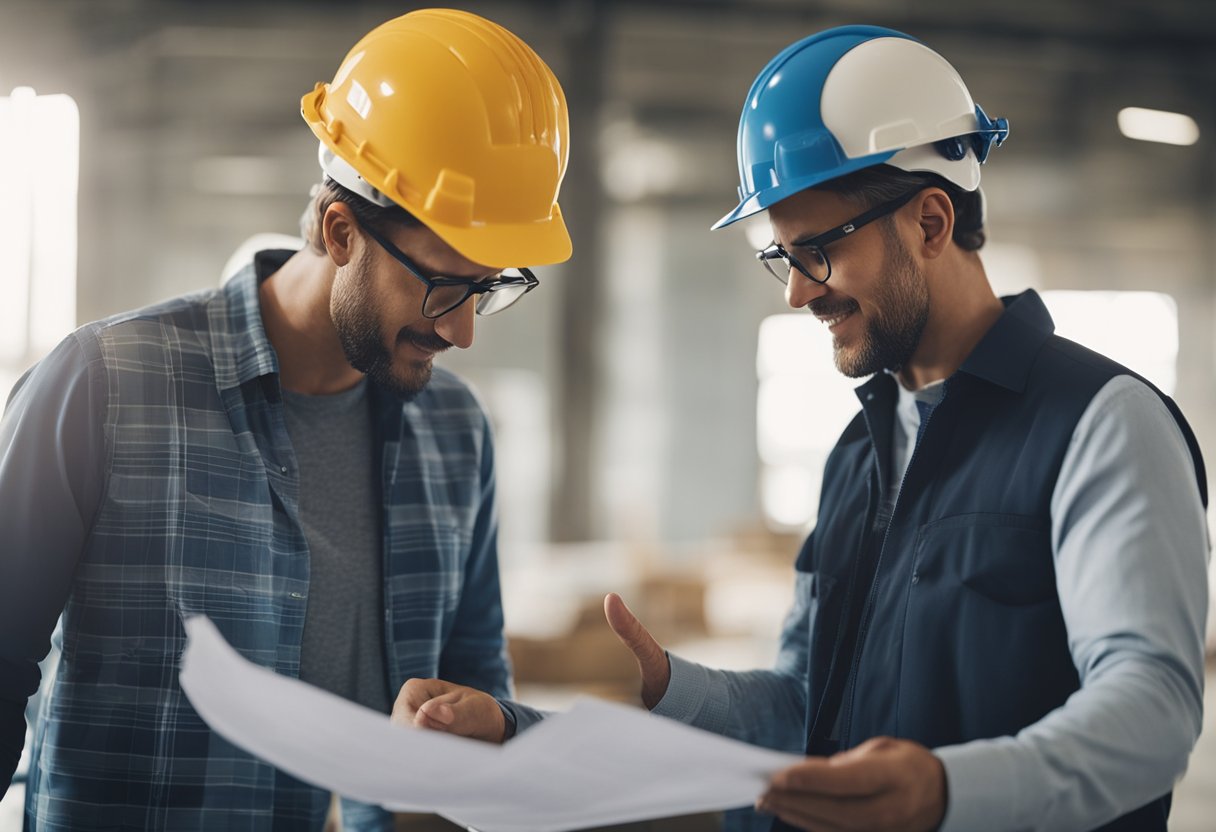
(849, 98)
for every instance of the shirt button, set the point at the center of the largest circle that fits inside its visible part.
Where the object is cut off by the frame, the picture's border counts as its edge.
(915, 578)
(869, 397)
(282, 469)
(299, 596)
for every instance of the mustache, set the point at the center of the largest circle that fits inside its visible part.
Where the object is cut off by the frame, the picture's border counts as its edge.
(823, 308)
(430, 343)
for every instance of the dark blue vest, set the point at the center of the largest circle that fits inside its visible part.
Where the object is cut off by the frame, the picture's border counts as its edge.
(942, 624)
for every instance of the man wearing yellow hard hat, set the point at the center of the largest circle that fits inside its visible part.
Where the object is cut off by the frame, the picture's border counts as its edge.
(280, 455)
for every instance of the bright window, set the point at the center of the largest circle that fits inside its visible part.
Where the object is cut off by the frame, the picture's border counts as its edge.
(1137, 329)
(40, 143)
(803, 406)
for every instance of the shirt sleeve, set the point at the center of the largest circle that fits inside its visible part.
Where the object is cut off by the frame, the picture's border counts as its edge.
(520, 717)
(52, 460)
(1130, 542)
(475, 652)
(762, 707)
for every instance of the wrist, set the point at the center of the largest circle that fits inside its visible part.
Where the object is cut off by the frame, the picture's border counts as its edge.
(509, 725)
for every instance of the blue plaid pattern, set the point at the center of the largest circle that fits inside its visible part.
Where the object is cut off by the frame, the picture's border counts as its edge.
(199, 514)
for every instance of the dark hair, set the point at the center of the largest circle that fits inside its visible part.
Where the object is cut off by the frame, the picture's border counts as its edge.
(872, 186)
(367, 213)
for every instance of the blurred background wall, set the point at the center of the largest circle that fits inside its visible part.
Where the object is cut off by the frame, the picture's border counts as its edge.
(651, 440)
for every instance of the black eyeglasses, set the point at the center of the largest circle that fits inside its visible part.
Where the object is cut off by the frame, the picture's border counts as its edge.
(812, 260)
(443, 294)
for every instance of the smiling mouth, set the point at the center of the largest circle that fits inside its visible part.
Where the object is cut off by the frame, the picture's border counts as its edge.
(429, 346)
(835, 318)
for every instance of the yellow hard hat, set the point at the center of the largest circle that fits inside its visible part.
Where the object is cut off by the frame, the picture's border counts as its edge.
(460, 123)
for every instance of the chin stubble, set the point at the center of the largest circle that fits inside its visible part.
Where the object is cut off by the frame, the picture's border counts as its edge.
(891, 340)
(359, 332)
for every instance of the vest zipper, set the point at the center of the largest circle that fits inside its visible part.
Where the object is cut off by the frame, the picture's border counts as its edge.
(846, 717)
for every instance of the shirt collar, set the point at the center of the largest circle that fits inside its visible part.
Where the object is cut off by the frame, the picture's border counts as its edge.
(1007, 352)
(240, 349)
(1004, 356)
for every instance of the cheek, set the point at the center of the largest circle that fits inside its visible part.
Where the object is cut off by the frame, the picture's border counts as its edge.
(866, 280)
(390, 301)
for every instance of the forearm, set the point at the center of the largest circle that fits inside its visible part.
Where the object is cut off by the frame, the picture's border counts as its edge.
(770, 708)
(763, 707)
(1130, 542)
(1118, 743)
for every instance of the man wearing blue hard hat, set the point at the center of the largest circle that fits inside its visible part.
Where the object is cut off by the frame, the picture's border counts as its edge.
(999, 614)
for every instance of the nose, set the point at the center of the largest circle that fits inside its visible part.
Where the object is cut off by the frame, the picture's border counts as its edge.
(456, 327)
(801, 290)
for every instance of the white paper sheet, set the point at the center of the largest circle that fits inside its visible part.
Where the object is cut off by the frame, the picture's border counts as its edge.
(596, 764)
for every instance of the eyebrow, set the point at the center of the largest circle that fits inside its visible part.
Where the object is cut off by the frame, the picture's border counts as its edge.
(433, 273)
(806, 238)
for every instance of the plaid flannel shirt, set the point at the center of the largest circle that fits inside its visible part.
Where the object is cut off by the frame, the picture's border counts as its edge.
(145, 475)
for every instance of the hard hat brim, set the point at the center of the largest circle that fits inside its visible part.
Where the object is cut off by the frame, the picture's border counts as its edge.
(766, 198)
(508, 246)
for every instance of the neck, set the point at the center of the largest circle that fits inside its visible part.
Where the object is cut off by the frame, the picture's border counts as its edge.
(295, 312)
(962, 309)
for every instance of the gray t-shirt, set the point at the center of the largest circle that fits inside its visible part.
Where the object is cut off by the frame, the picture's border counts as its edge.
(343, 649)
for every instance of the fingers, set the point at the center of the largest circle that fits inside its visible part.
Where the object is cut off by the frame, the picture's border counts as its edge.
(454, 709)
(801, 813)
(413, 695)
(441, 709)
(855, 777)
(883, 784)
(652, 659)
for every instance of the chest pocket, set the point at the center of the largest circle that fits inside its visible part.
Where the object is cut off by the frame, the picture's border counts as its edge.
(1004, 557)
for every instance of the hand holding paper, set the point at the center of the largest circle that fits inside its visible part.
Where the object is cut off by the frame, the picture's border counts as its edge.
(594, 765)
(883, 784)
(454, 709)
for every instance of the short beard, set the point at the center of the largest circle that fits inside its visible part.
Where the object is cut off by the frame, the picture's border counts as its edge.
(352, 309)
(903, 303)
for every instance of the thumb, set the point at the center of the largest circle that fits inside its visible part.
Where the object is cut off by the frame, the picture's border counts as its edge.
(440, 712)
(652, 659)
(464, 712)
(413, 695)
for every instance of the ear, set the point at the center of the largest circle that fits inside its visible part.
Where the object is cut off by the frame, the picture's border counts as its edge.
(935, 221)
(338, 228)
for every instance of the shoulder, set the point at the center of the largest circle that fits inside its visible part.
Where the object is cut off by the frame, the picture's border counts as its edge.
(1067, 363)
(178, 323)
(63, 369)
(1128, 411)
(1107, 394)
(1065, 377)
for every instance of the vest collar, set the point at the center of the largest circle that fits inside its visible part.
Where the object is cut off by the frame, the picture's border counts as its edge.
(1004, 356)
(1007, 352)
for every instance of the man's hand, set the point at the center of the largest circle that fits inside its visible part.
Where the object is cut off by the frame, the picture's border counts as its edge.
(453, 709)
(883, 784)
(652, 659)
